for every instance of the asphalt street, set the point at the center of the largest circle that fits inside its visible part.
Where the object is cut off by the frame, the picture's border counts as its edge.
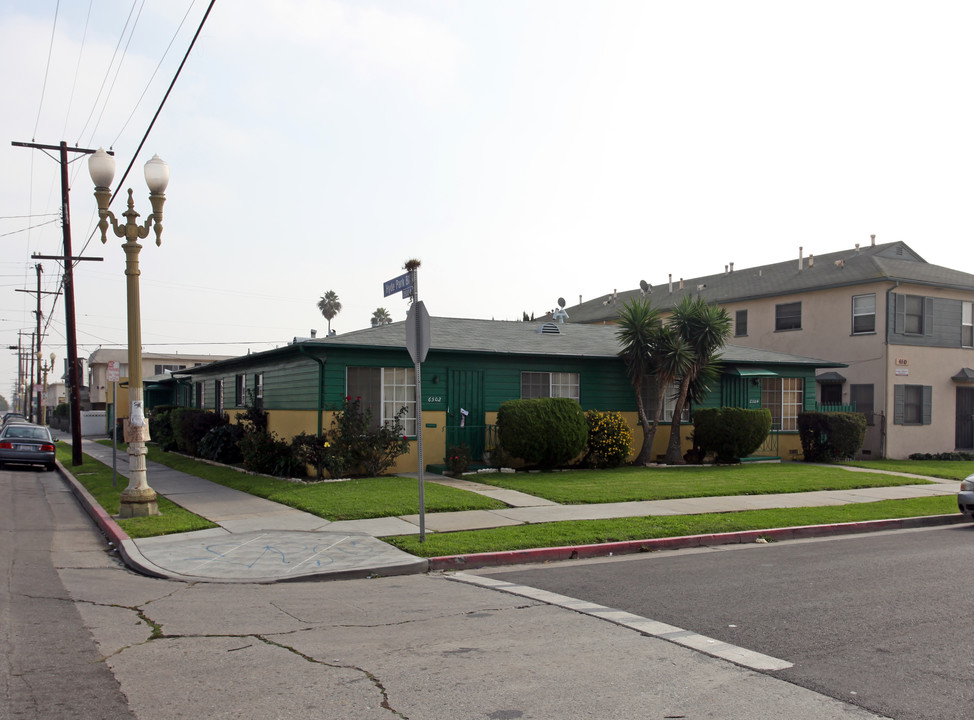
(417, 646)
(877, 620)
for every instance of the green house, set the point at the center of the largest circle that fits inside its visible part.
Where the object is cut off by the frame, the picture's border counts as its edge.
(472, 367)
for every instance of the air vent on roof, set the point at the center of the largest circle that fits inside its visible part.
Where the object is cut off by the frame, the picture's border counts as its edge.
(549, 328)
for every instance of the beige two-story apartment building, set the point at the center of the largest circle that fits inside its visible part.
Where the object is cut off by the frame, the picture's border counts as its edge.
(904, 327)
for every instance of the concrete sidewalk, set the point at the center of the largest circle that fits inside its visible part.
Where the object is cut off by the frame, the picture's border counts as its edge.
(263, 541)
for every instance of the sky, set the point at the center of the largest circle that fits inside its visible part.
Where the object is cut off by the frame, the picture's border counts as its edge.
(522, 150)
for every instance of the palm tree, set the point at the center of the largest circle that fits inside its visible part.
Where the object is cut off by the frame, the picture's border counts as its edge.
(381, 316)
(639, 323)
(704, 328)
(330, 306)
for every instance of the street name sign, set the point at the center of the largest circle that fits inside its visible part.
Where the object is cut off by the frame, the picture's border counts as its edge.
(403, 283)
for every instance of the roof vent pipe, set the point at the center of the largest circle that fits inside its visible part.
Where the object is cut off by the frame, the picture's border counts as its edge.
(811, 259)
(681, 283)
(732, 267)
(872, 239)
(671, 282)
(314, 333)
(801, 262)
(857, 247)
(725, 270)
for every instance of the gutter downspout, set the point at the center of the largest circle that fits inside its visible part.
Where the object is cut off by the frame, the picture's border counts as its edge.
(321, 381)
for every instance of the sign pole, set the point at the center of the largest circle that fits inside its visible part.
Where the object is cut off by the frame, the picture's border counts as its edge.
(414, 281)
(115, 434)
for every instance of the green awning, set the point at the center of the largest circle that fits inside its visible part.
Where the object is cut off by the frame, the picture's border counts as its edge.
(751, 372)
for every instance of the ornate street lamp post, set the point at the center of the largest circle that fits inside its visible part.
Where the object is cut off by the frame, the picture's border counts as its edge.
(138, 499)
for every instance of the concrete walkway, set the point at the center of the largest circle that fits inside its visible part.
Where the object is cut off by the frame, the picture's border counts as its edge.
(262, 541)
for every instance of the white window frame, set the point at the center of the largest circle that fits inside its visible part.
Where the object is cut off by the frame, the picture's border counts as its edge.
(967, 324)
(785, 398)
(858, 313)
(559, 384)
(396, 389)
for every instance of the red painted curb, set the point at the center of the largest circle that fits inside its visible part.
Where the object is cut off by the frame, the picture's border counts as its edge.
(105, 522)
(574, 552)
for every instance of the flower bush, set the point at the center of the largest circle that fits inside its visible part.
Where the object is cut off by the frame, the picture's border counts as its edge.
(609, 439)
(458, 458)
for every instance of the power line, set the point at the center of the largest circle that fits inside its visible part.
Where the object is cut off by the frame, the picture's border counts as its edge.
(77, 68)
(47, 69)
(26, 229)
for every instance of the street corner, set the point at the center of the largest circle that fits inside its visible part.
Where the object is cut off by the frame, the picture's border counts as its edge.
(276, 556)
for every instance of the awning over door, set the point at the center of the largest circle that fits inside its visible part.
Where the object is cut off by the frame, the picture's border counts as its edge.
(751, 372)
(965, 375)
(830, 377)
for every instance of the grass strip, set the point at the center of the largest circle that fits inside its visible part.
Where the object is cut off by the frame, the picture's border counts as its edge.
(97, 480)
(626, 484)
(947, 469)
(354, 499)
(586, 532)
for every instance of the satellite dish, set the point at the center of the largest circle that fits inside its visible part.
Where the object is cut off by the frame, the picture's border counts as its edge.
(561, 302)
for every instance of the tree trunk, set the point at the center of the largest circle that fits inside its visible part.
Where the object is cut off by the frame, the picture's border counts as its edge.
(674, 454)
(649, 431)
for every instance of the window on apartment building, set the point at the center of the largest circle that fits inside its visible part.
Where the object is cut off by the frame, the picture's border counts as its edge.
(160, 369)
(219, 397)
(785, 398)
(740, 323)
(386, 391)
(863, 314)
(788, 316)
(862, 397)
(967, 324)
(913, 314)
(669, 401)
(200, 394)
(549, 384)
(240, 390)
(912, 404)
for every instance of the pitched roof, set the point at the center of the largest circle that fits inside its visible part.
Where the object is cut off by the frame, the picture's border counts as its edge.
(505, 337)
(857, 266)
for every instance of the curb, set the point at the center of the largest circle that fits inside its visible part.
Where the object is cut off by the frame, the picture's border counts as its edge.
(578, 552)
(117, 537)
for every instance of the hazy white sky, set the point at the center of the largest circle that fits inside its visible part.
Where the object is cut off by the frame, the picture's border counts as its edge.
(523, 150)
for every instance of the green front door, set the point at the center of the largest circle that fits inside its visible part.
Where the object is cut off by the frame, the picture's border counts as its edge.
(465, 411)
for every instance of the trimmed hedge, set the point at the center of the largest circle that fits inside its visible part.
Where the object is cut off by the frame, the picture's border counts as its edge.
(544, 431)
(830, 436)
(730, 433)
(189, 425)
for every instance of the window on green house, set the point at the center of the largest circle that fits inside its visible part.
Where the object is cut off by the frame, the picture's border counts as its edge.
(669, 401)
(240, 391)
(386, 391)
(549, 384)
(784, 397)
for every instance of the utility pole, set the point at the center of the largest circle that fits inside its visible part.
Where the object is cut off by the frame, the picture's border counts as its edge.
(69, 311)
(35, 345)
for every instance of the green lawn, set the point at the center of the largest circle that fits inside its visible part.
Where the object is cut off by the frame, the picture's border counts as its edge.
(949, 469)
(97, 480)
(348, 500)
(580, 487)
(585, 532)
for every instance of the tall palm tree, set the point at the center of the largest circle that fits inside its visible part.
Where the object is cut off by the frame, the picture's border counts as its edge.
(330, 306)
(381, 316)
(704, 328)
(638, 324)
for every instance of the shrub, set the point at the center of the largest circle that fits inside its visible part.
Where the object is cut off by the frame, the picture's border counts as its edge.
(189, 425)
(62, 411)
(313, 450)
(609, 439)
(458, 458)
(356, 444)
(730, 433)
(160, 427)
(827, 436)
(221, 444)
(543, 431)
(952, 456)
(263, 452)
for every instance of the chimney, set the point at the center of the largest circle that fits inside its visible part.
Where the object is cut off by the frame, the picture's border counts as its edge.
(732, 267)
(801, 262)
(671, 282)
(811, 259)
(872, 239)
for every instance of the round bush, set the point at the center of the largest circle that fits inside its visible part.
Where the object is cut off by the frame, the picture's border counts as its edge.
(609, 439)
(730, 433)
(544, 431)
